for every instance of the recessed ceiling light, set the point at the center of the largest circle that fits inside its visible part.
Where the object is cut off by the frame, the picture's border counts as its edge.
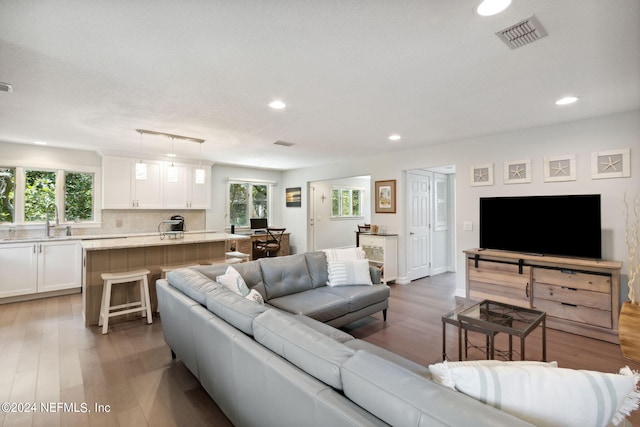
(277, 105)
(395, 137)
(40, 142)
(491, 7)
(567, 100)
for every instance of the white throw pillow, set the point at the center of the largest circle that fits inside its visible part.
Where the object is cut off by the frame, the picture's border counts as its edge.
(234, 282)
(551, 397)
(344, 254)
(255, 296)
(441, 372)
(347, 273)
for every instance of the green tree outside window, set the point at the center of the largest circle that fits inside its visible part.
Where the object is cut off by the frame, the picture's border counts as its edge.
(7, 194)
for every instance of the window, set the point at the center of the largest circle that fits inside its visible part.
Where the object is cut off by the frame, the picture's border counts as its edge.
(78, 196)
(7, 194)
(39, 193)
(73, 193)
(248, 200)
(346, 202)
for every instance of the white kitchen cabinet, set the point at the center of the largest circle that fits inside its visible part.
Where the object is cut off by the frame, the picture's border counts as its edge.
(182, 192)
(19, 264)
(34, 267)
(166, 187)
(121, 189)
(59, 265)
(382, 250)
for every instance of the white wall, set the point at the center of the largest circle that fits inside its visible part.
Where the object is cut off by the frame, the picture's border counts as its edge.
(337, 232)
(217, 216)
(579, 138)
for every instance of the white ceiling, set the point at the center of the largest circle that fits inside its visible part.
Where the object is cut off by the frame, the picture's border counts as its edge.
(86, 73)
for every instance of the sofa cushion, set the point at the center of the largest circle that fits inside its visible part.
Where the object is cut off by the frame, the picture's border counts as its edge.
(192, 283)
(250, 272)
(317, 266)
(308, 349)
(401, 398)
(285, 275)
(325, 329)
(344, 254)
(390, 356)
(349, 273)
(359, 297)
(318, 305)
(234, 309)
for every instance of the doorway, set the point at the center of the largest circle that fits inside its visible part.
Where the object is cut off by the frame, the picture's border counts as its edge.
(429, 224)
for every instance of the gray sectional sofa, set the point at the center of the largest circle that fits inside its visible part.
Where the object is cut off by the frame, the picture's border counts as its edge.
(284, 364)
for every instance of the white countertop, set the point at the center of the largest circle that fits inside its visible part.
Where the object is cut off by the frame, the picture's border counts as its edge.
(155, 240)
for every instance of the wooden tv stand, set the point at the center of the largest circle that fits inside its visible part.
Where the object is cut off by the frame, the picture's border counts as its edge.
(581, 296)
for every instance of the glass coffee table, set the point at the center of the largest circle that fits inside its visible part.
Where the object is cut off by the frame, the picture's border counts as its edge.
(492, 317)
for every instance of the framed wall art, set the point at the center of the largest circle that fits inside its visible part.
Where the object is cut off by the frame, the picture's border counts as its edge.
(385, 196)
(611, 164)
(293, 197)
(560, 168)
(517, 172)
(481, 174)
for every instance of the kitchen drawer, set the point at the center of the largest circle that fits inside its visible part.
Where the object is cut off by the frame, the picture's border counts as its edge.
(576, 313)
(560, 294)
(572, 279)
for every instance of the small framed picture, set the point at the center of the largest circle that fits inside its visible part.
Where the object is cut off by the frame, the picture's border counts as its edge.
(560, 168)
(481, 174)
(611, 164)
(385, 196)
(517, 172)
(293, 197)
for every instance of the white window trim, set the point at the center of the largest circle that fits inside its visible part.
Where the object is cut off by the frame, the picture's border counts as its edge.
(270, 185)
(347, 217)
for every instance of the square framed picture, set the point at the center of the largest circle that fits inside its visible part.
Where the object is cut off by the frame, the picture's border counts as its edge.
(611, 164)
(560, 168)
(385, 196)
(293, 197)
(481, 174)
(517, 172)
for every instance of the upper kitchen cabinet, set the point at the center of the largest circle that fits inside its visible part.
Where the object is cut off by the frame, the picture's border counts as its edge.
(166, 186)
(121, 189)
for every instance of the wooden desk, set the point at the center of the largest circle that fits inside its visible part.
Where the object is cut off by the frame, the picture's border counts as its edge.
(150, 252)
(247, 242)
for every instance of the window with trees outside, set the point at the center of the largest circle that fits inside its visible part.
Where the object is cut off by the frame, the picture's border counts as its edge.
(248, 200)
(72, 193)
(346, 202)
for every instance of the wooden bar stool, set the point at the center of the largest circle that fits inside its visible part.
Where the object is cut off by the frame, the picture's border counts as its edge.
(144, 305)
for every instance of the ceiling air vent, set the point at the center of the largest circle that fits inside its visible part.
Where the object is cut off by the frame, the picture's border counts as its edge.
(524, 32)
(284, 143)
(6, 87)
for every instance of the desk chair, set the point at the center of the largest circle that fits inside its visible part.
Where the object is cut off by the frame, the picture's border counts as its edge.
(270, 246)
(362, 229)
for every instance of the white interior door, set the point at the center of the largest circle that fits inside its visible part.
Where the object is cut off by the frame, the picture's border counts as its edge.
(419, 224)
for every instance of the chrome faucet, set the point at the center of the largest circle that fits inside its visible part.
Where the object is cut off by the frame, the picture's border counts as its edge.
(47, 225)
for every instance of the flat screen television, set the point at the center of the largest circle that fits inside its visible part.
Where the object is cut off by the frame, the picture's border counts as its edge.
(545, 225)
(258, 223)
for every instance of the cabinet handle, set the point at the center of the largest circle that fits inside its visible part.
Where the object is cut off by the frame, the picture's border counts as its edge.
(526, 290)
(34, 247)
(568, 305)
(569, 289)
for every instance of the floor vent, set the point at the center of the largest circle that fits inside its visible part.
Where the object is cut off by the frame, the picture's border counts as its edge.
(284, 143)
(523, 33)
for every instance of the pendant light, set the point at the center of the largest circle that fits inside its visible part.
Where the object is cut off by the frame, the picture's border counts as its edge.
(172, 173)
(141, 168)
(200, 173)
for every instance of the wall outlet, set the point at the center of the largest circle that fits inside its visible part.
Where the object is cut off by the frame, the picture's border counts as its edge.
(467, 226)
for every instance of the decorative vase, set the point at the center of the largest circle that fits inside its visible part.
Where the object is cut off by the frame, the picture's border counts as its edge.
(629, 331)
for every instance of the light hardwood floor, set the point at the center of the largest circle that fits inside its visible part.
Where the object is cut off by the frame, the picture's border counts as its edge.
(47, 356)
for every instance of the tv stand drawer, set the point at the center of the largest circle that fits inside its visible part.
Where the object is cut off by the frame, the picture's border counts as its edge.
(579, 297)
(573, 279)
(576, 313)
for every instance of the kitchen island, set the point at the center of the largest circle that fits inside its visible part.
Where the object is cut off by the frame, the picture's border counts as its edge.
(150, 252)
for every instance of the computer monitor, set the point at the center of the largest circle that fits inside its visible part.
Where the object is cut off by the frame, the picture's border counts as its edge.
(258, 223)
